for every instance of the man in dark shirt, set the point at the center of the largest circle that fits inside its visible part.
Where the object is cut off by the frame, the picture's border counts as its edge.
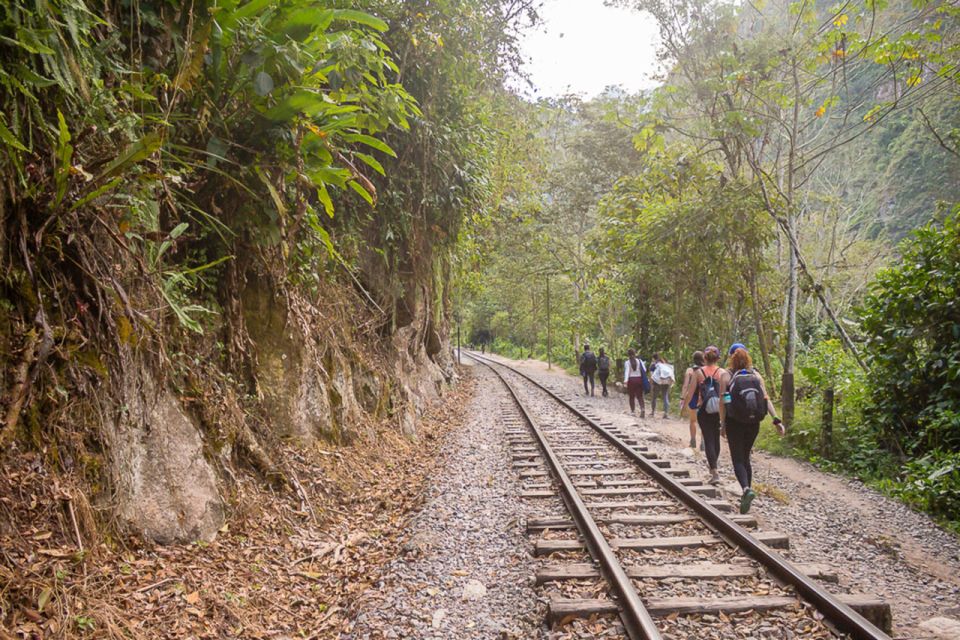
(588, 367)
(603, 370)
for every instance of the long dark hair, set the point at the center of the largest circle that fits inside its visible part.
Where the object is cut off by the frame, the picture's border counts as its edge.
(633, 359)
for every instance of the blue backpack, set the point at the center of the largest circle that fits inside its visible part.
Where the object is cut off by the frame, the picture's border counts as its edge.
(709, 394)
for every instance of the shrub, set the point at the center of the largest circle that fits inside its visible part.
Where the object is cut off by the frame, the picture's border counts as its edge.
(912, 322)
(932, 483)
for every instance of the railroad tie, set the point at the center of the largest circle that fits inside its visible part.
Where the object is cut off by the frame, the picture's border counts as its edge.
(770, 538)
(695, 571)
(719, 505)
(873, 609)
(631, 519)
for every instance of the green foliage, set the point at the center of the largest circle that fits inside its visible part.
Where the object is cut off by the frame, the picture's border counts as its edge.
(167, 166)
(241, 122)
(932, 483)
(897, 425)
(828, 366)
(677, 211)
(911, 318)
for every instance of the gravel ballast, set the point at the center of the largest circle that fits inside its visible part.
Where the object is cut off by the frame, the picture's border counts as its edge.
(467, 570)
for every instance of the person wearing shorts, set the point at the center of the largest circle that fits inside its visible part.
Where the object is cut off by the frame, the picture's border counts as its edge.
(690, 396)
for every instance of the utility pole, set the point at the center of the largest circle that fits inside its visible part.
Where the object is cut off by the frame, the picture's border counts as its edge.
(549, 358)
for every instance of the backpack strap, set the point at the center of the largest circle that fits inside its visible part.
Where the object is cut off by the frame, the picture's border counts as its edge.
(733, 378)
(703, 376)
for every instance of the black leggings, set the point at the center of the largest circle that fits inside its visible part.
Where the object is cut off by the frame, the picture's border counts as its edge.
(740, 437)
(710, 428)
(603, 375)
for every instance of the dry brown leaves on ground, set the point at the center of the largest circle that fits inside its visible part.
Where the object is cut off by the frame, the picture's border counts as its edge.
(282, 566)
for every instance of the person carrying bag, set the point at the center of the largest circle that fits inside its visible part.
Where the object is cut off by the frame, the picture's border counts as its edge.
(635, 377)
(661, 372)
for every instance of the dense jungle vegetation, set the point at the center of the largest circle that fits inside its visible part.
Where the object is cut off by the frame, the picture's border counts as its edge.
(792, 184)
(246, 205)
(223, 198)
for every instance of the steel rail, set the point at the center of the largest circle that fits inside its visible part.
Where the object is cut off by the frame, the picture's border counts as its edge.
(637, 621)
(835, 612)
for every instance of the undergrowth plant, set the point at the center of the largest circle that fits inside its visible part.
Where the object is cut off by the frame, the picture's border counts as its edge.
(157, 157)
(895, 424)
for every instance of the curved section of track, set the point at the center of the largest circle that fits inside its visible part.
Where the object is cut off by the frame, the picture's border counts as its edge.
(637, 621)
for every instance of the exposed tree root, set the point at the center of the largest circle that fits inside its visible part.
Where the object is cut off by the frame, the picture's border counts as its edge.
(20, 388)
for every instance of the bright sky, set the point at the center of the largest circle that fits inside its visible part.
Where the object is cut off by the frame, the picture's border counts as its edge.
(583, 46)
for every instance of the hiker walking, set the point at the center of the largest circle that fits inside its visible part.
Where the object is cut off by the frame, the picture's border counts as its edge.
(635, 377)
(707, 380)
(689, 396)
(603, 370)
(661, 374)
(744, 404)
(588, 366)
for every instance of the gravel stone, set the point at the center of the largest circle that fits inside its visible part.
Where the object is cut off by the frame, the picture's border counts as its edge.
(474, 590)
(468, 567)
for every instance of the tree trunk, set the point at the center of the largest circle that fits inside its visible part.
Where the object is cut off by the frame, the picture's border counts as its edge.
(549, 345)
(576, 328)
(787, 396)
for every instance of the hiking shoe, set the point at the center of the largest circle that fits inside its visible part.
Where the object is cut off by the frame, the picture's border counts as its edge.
(702, 448)
(746, 499)
(665, 416)
(693, 443)
(714, 477)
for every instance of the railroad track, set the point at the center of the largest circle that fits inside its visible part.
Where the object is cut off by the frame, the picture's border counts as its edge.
(645, 543)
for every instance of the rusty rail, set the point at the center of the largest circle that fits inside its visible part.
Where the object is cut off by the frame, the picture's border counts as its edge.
(637, 621)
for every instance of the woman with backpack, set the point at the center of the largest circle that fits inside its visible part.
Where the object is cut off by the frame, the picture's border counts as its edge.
(689, 396)
(705, 386)
(744, 404)
(635, 377)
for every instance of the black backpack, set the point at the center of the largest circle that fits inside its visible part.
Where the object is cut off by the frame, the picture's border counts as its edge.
(589, 362)
(603, 363)
(747, 403)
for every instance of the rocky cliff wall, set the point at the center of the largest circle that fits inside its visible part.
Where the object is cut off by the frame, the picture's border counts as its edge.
(159, 426)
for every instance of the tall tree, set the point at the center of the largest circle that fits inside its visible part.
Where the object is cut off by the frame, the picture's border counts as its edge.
(775, 90)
